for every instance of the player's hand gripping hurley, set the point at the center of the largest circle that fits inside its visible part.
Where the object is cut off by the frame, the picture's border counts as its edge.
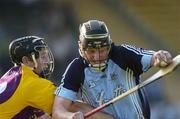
(162, 72)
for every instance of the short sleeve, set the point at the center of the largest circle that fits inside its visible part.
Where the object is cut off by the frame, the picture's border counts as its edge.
(72, 80)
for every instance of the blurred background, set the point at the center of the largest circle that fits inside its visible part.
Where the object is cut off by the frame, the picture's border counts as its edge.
(150, 24)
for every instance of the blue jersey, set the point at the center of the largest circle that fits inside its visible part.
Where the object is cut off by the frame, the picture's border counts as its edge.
(125, 65)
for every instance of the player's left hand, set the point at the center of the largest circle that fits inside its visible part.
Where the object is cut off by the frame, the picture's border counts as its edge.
(161, 58)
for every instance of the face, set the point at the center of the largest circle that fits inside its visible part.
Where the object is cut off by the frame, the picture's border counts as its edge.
(45, 62)
(42, 61)
(96, 55)
(43, 65)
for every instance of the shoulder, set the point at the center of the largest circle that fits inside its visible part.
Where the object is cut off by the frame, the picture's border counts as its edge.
(31, 80)
(75, 70)
(124, 48)
(119, 50)
(128, 56)
(129, 50)
(74, 74)
(78, 64)
(9, 83)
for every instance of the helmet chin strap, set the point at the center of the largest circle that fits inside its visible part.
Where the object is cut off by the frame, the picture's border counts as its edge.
(35, 65)
(99, 67)
(34, 60)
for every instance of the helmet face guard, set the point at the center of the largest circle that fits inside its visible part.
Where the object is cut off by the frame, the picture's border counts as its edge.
(94, 34)
(46, 60)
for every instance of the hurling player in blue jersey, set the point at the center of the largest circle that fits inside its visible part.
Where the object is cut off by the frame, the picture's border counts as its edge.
(103, 71)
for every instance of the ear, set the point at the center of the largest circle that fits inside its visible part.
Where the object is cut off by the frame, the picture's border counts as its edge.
(79, 43)
(27, 61)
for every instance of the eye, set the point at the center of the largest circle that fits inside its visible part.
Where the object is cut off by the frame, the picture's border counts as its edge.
(91, 50)
(43, 56)
(102, 50)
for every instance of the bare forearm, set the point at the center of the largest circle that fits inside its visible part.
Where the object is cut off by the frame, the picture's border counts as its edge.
(61, 113)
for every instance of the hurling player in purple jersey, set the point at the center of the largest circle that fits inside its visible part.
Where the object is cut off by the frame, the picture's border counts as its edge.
(24, 91)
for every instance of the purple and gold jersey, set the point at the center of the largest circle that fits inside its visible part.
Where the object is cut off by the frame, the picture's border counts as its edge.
(22, 93)
(124, 67)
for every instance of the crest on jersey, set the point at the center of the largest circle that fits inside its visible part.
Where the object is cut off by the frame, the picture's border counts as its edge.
(114, 76)
(91, 84)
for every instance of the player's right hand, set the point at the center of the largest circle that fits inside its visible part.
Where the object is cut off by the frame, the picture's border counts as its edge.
(77, 115)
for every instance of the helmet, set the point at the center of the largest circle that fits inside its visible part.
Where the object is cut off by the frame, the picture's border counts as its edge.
(94, 34)
(30, 46)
